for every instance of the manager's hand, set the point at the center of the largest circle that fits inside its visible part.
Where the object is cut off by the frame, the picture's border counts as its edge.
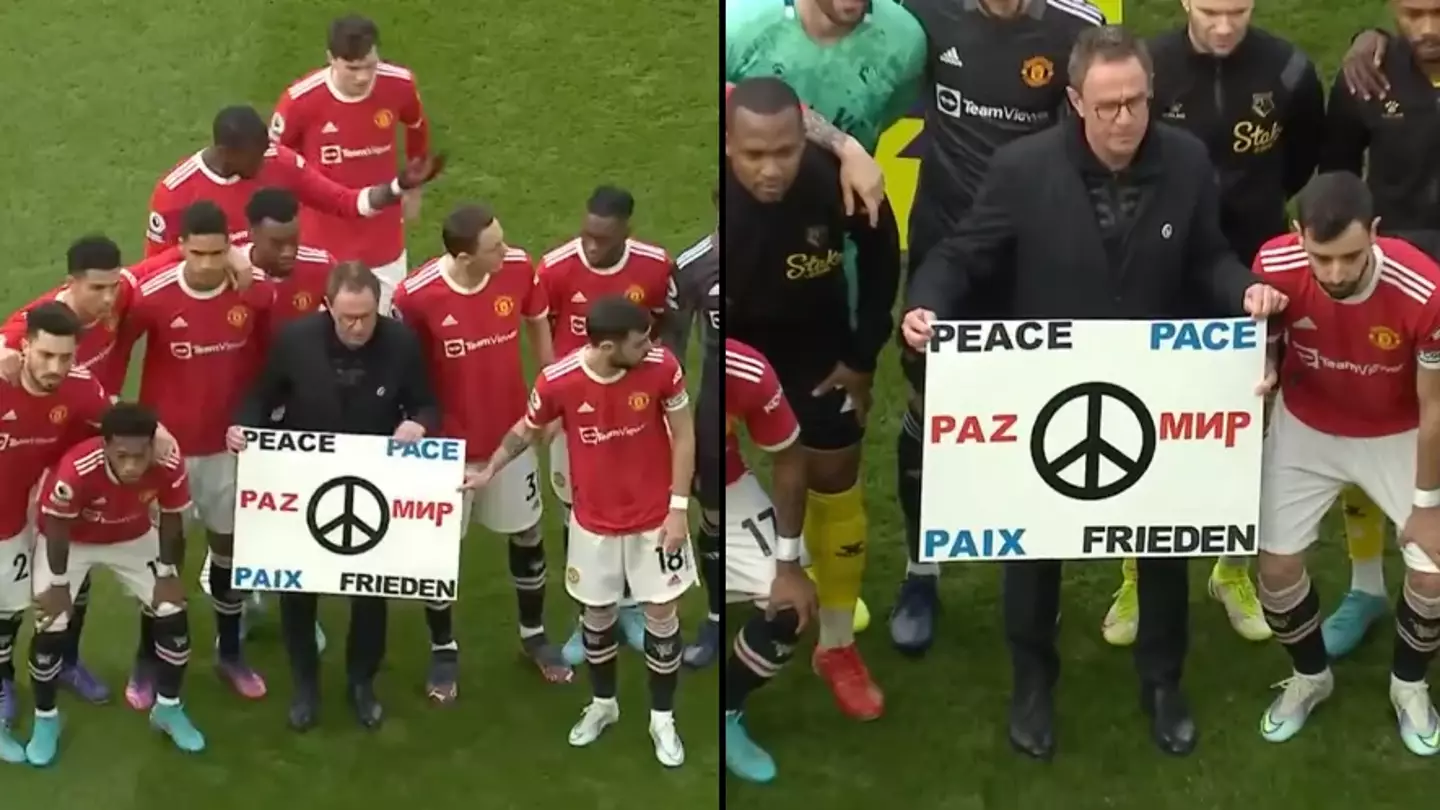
(916, 328)
(235, 440)
(1262, 301)
(409, 432)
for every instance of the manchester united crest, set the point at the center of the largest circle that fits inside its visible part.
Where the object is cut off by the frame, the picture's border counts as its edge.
(635, 293)
(504, 305)
(58, 414)
(384, 119)
(638, 401)
(237, 316)
(302, 301)
(1383, 337)
(572, 575)
(1037, 71)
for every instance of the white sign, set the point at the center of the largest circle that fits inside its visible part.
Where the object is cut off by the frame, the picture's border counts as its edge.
(1069, 440)
(352, 515)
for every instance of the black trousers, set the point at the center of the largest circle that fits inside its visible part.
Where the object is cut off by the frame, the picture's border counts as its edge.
(1032, 604)
(364, 647)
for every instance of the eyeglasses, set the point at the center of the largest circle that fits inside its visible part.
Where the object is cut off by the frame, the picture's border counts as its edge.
(1137, 106)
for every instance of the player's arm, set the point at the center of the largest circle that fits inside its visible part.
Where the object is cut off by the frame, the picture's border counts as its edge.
(1346, 136)
(1306, 123)
(877, 265)
(286, 128)
(542, 410)
(535, 309)
(270, 389)
(60, 507)
(162, 229)
(173, 502)
(982, 246)
(681, 422)
(417, 126)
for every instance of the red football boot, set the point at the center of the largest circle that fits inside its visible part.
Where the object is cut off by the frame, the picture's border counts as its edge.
(843, 670)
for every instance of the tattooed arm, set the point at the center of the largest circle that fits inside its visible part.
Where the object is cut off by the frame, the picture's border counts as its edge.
(520, 437)
(860, 175)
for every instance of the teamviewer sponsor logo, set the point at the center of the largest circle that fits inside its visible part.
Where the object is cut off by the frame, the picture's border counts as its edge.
(577, 325)
(455, 347)
(594, 435)
(950, 102)
(185, 351)
(1312, 358)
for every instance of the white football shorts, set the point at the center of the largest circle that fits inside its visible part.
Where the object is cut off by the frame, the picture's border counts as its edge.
(16, 570)
(598, 567)
(511, 502)
(132, 562)
(390, 276)
(212, 490)
(749, 541)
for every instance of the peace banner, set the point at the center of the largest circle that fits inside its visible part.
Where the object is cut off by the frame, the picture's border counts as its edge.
(351, 515)
(1091, 439)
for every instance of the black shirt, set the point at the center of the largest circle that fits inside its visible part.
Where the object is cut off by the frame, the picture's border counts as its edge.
(785, 287)
(1159, 258)
(1401, 133)
(990, 81)
(325, 386)
(1261, 113)
(695, 291)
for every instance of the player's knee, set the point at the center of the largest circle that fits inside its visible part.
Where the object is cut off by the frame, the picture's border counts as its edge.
(528, 538)
(438, 607)
(599, 619)
(221, 547)
(1425, 583)
(661, 612)
(9, 629)
(1279, 571)
(837, 473)
(662, 624)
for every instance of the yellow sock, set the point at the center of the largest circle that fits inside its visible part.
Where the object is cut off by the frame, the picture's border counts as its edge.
(836, 530)
(1365, 540)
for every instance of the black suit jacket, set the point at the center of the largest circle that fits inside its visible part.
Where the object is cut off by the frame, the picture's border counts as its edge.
(1033, 223)
(299, 376)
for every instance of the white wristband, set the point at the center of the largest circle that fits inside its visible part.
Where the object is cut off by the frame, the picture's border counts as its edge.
(787, 549)
(395, 187)
(1427, 498)
(680, 503)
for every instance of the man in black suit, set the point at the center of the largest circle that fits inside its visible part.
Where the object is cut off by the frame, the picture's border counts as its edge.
(1106, 216)
(344, 369)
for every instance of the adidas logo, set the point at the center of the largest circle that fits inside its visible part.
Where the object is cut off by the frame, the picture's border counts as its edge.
(1303, 323)
(951, 57)
(10, 417)
(329, 128)
(179, 322)
(585, 407)
(578, 298)
(449, 321)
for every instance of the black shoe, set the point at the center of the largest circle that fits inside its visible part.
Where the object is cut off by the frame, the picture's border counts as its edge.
(305, 707)
(1032, 722)
(1171, 726)
(368, 711)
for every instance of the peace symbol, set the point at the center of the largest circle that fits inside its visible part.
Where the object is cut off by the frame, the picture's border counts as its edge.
(1093, 447)
(341, 516)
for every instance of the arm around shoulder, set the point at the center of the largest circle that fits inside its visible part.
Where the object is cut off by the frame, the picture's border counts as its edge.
(271, 387)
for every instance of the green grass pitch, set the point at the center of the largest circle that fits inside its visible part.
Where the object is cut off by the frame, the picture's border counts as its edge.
(536, 103)
(941, 744)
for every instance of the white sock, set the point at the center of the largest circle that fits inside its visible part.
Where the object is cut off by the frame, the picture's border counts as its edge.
(161, 700)
(610, 701)
(1368, 576)
(919, 569)
(660, 717)
(837, 628)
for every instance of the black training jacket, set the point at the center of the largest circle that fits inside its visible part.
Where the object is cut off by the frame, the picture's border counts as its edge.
(1261, 113)
(1034, 221)
(784, 276)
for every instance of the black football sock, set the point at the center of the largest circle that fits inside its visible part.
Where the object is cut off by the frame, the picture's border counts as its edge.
(1417, 635)
(526, 552)
(1293, 614)
(9, 632)
(80, 607)
(712, 570)
(601, 649)
(762, 648)
(440, 619)
(229, 607)
(47, 656)
(145, 648)
(909, 454)
(662, 658)
(172, 651)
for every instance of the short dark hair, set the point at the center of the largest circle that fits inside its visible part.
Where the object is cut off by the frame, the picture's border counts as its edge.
(463, 227)
(203, 218)
(240, 127)
(611, 202)
(52, 318)
(1331, 202)
(128, 420)
(274, 204)
(614, 317)
(763, 95)
(351, 276)
(351, 37)
(1106, 43)
(92, 252)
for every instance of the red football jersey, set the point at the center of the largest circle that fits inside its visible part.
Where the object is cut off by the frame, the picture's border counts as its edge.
(753, 398)
(471, 342)
(199, 353)
(303, 291)
(35, 430)
(81, 488)
(642, 275)
(191, 181)
(1349, 366)
(353, 141)
(96, 350)
(617, 437)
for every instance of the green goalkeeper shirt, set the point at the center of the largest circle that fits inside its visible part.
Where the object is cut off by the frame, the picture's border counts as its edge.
(863, 83)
